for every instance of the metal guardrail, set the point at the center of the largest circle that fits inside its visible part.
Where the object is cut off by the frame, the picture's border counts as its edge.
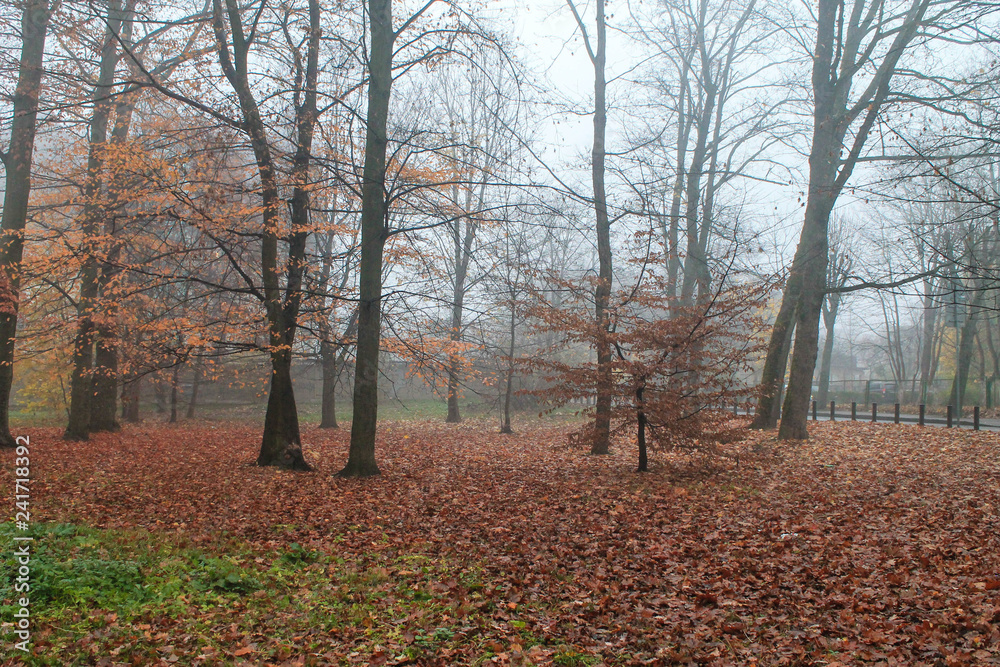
(895, 417)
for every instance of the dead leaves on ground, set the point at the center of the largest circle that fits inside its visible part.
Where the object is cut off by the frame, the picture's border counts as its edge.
(868, 544)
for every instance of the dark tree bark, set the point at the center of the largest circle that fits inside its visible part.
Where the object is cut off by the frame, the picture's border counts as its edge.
(841, 53)
(94, 208)
(105, 388)
(605, 275)
(104, 402)
(174, 388)
(374, 233)
(772, 378)
(195, 385)
(641, 430)
(17, 162)
(160, 393)
(131, 398)
(281, 443)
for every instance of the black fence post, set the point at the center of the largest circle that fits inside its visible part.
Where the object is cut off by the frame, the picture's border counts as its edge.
(975, 418)
(923, 410)
(854, 411)
(874, 412)
(833, 411)
(736, 408)
(814, 410)
(949, 416)
(895, 415)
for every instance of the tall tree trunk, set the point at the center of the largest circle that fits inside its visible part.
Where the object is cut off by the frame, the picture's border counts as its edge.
(195, 385)
(333, 362)
(602, 296)
(160, 393)
(454, 375)
(374, 233)
(810, 262)
(463, 252)
(695, 261)
(966, 343)
(94, 210)
(671, 234)
(641, 429)
(104, 402)
(281, 443)
(830, 320)
(131, 395)
(927, 340)
(838, 57)
(773, 374)
(34, 25)
(508, 393)
(174, 390)
(328, 398)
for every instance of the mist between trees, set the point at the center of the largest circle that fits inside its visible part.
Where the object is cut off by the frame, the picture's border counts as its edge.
(338, 205)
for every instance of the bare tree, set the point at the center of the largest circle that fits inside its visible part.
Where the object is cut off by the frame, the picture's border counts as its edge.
(597, 52)
(838, 271)
(17, 161)
(858, 51)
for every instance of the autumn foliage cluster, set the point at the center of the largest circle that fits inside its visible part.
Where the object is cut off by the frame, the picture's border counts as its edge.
(677, 369)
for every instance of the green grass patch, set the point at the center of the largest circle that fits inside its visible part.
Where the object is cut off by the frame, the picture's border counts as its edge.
(140, 597)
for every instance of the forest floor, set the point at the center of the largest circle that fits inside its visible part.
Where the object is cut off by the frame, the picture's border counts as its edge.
(866, 545)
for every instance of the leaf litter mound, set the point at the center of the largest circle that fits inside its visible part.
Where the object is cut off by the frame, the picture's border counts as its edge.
(867, 544)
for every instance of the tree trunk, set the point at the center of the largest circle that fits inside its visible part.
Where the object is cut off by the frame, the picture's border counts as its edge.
(966, 343)
(508, 394)
(282, 444)
(602, 295)
(641, 430)
(195, 384)
(810, 261)
(94, 209)
(34, 24)
(174, 381)
(160, 392)
(374, 232)
(328, 400)
(105, 399)
(830, 320)
(695, 262)
(773, 374)
(333, 365)
(455, 335)
(131, 394)
(836, 60)
(671, 234)
(102, 416)
(927, 341)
